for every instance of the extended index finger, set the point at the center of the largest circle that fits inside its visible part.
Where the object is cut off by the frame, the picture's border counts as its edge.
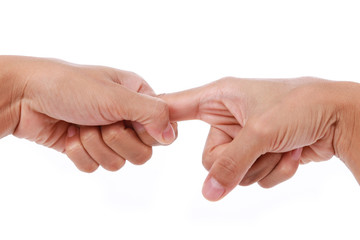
(183, 105)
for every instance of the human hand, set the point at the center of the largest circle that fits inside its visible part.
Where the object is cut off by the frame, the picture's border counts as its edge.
(96, 115)
(261, 129)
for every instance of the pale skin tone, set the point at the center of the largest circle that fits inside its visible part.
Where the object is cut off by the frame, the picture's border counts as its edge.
(261, 129)
(96, 115)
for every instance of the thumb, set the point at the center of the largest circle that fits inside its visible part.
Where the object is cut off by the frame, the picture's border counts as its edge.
(151, 112)
(230, 168)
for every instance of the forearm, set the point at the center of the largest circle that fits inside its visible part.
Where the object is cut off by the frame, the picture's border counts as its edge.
(11, 89)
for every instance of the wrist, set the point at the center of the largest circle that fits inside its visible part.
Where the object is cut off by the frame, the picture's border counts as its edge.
(11, 91)
(347, 134)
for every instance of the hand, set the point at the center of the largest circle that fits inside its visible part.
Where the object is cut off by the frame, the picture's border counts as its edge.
(261, 129)
(96, 115)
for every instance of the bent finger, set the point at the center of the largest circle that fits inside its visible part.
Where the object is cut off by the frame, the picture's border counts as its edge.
(77, 153)
(286, 168)
(126, 143)
(261, 168)
(94, 145)
(216, 143)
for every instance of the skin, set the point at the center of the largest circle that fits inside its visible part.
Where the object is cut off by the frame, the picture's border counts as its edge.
(262, 129)
(96, 115)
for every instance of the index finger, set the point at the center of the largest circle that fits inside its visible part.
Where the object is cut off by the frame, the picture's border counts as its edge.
(183, 105)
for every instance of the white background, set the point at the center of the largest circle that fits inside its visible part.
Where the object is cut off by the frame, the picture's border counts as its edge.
(177, 45)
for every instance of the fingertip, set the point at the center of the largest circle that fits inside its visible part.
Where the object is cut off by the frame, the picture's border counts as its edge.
(168, 135)
(296, 154)
(285, 170)
(72, 131)
(72, 137)
(212, 190)
(175, 127)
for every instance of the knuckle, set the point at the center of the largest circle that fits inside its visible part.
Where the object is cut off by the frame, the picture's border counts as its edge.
(206, 163)
(87, 135)
(227, 170)
(225, 80)
(161, 109)
(208, 159)
(142, 156)
(72, 148)
(286, 171)
(111, 134)
(308, 78)
(134, 76)
(260, 128)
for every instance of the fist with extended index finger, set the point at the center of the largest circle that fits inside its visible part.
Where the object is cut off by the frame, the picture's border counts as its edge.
(262, 128)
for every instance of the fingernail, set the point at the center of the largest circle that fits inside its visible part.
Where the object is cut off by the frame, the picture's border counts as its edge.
(168, 134)
(296, 154)
(71, 131)
(213, 190)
